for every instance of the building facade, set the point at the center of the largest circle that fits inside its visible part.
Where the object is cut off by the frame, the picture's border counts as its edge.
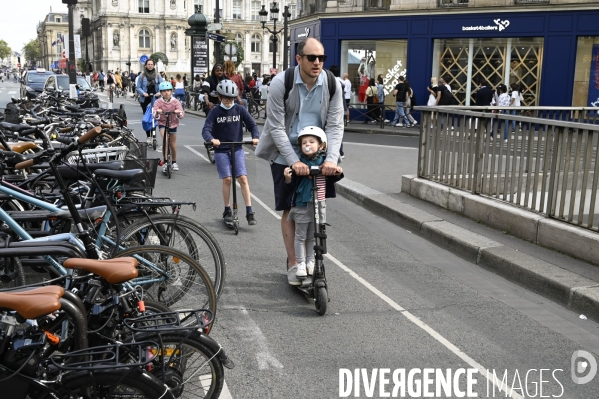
(124, 31)
(50, 35)
(548, 49)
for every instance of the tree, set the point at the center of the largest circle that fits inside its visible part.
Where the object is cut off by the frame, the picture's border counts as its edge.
(5, 51)
(237, 52)
(31, 50)
(159, 57)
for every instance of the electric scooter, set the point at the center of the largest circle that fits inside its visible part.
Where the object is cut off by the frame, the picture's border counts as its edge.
(208, 144)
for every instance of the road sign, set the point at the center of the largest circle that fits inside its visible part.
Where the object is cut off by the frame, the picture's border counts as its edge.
(215, 37)
(143, 59)
(215, 26)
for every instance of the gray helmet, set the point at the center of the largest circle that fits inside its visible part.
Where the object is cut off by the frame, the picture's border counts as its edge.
(227, 88)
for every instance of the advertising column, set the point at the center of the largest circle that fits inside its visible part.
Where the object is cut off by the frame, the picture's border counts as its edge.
(199, 56)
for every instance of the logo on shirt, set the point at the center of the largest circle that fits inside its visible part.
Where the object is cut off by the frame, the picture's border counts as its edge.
(228, 119)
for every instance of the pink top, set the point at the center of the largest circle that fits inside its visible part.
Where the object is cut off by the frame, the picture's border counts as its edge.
(170, 106)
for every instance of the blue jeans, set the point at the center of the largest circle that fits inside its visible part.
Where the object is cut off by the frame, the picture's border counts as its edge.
(400, 114)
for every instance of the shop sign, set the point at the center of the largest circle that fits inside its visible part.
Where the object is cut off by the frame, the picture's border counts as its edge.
(593, 99)
(305, 34)
(391, 79)
(499, 26)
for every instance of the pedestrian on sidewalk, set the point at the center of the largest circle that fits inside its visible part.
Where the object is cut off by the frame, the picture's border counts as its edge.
(347, 95)
(372, 101)
(400, 97)
(308, 104)
(147, 88)
(313, 143)
(408, 104)
(225, 123)
(380, 86)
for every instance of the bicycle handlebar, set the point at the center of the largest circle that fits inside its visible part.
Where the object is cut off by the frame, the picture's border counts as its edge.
(25, 164)
(209, 143)
(93, 132)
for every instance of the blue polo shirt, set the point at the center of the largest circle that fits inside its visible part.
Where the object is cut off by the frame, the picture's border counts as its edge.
(309, 113)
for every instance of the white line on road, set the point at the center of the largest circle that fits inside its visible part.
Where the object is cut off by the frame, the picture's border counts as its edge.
(379, 145)
(414, 319)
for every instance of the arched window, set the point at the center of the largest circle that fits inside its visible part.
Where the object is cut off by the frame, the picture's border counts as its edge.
(144, 39)
(256, 43)
(239, 39)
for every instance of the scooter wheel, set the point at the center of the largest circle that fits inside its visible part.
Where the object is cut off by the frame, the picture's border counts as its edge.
(236, 227)
(154, 144)
(321, 300)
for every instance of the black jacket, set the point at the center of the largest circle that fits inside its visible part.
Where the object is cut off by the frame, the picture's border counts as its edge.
(484, 97)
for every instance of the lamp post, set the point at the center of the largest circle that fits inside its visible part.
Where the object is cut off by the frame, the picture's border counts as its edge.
(274, 17)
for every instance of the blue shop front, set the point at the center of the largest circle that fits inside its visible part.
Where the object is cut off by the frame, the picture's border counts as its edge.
(552, 56)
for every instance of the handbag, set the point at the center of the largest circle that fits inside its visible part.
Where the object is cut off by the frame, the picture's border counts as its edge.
(148, 122)
(432, 100)
(375, 97)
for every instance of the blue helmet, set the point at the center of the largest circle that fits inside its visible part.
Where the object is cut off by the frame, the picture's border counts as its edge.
(165, 86)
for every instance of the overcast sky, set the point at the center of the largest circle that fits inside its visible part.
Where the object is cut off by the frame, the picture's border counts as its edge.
(19, 19)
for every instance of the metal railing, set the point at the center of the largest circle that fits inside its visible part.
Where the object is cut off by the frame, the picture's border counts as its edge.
(546, 164)
(453, 3)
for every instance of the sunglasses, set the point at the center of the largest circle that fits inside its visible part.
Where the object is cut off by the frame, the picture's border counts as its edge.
(312, 57)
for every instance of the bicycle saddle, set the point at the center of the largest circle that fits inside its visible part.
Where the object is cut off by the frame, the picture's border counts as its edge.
(85, 214)
(74, 108)
(14, 127)
(122, 175)
(71, 171)
(20, 147)
(114, 271)
(34, 302)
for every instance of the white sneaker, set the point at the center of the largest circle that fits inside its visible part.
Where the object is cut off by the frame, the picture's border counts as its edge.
(301, 270)
(387, 121)
(164, 167)
(291, 279)
(310, 267)
(175, 166)
(149, 140)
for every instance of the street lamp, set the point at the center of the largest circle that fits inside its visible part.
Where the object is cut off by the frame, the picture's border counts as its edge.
(274, 17)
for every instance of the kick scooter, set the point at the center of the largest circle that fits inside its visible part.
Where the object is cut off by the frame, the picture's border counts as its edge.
(166, 144)
(208, 144)
(316, 287)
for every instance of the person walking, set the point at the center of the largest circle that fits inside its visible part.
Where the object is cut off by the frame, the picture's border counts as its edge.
(232, 74)
(347, 94)
(147, 88)
(209, 87)
(483, 98)
(400, 97)
(380, 86)
(516, 101)
(408, 104)
(308, 104)
(179, 89)
(372, 101)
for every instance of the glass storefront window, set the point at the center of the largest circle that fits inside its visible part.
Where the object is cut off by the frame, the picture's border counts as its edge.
(586, 73)
(463, 62)
(365, 59)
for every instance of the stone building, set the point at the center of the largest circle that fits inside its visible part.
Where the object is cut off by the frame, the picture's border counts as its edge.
(50, 35)
(125, 30)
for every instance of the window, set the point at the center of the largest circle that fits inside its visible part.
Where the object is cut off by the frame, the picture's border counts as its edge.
(453, 3)
(271, 44)
(144, 39)
(293, 11)
(239, 39)
(255, 9)
(586, 73)
(57, 19)
(236, 9)
(144, 6)
(255, 43)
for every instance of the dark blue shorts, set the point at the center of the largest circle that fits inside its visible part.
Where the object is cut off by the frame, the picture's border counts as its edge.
(223, 163)
(171, 130)
(282, 189)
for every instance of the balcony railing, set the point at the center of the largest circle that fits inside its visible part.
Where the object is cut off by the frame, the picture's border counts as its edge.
(453, 3)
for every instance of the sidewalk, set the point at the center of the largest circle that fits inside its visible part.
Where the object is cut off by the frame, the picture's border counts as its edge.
(568, 281)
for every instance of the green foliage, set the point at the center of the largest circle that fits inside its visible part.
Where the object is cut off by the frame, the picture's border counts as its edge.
(240, 54)
(31, 51)
(159, 56)
(5, 51)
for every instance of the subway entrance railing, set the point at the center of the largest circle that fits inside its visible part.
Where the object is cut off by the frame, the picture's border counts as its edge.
(545, 161)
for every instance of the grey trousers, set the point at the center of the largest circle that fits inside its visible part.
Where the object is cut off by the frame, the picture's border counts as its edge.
(304, 242)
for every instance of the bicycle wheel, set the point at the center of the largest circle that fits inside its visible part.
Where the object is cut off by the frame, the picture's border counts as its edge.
(170, 276)
(187, 366)
(12, 273)
(184, 234)
(123, 383)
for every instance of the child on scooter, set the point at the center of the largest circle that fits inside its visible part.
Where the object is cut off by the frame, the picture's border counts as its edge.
(225, 123)
(168, 103)
(313, 142)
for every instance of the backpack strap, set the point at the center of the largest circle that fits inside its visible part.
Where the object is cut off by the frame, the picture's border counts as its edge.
(331, 79)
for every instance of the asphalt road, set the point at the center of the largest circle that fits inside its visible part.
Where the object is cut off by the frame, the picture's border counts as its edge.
(399, 306)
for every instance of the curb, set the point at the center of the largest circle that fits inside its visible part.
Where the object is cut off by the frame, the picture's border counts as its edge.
(570, 290)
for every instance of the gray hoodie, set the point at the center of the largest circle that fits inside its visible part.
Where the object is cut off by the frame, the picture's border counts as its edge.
(275, 136)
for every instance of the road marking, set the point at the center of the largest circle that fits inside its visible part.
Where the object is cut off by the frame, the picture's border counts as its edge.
(414, 319)
(12, 92)
(379, 145)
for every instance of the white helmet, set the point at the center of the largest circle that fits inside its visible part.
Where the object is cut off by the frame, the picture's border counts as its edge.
(227, 88)
(312, 131)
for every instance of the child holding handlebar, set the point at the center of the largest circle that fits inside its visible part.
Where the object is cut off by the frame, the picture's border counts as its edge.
(312, 141)
(225, 123)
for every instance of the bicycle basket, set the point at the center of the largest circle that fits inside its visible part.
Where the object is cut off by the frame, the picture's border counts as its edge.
(149, 166)
(96, 155)
(133, 354)
(172, 321)
(138, 149)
